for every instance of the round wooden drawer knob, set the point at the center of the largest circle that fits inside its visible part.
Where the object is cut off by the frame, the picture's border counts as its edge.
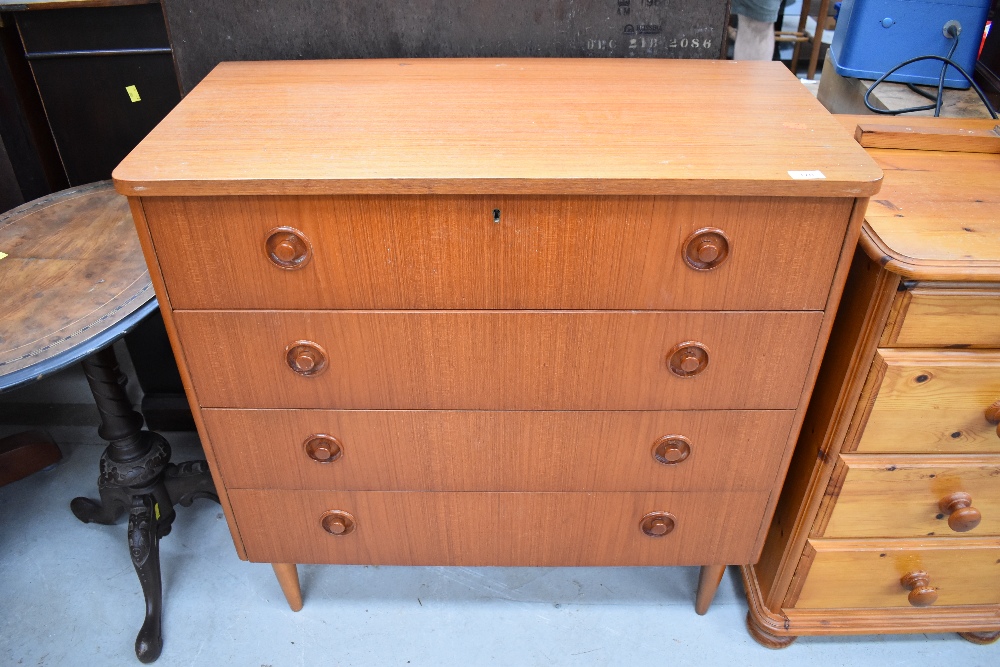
(706, 249)
(338, 522)
(687, 359)
(657, 524)
(305, 357)
(287, 248)
(922, 594)
(962, 516)
(993, 415)
(671, 449)
(323, 448)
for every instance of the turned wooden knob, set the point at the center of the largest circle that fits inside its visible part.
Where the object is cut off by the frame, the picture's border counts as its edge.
(287, 248)
(305, 358)
(993, 416)
(706, 249)
(671, 449)
(338, 522)
(922, 594)
(687, 359)
(657, 524)
(323, 448)
(962, 516)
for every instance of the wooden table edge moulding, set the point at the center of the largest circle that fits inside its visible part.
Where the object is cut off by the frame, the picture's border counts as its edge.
(933, 230)
(418, 132)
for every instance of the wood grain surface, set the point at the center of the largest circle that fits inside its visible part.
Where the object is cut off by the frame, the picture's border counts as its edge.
(792, 622)
(915, 414)
(935, 217)
(499, 451)
(932, 401)
(499, 360)
(288, 578)
(856, 573)
(448, 252)
(868, 296)
(947, 315)
(908, 137)
(497, 126)
(508, 529)
(898, 495)
(146, 243)
(71, 267)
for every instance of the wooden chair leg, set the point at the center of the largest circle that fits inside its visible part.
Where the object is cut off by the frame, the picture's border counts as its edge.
(803, 15)
(708, 583)
(817, 41)
(288, 579)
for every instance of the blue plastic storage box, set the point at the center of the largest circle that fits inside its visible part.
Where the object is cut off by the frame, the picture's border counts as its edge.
(873, 36)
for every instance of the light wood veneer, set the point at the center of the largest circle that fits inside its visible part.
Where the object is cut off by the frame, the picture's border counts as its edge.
(504, 360)
(931, 315)
(931, 401)
(856, 575)
(531, 529)
(900, 496)
(887, 516)
(433, 450)
(499, 252)
(493, 293)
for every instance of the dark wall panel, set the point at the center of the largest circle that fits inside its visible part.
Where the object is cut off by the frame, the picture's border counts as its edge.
(206, 32)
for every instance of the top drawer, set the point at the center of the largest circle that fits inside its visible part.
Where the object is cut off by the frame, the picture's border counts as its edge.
(945, 315)
(497, 252)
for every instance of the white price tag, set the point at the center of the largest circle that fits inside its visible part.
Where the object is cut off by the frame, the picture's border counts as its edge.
(806, 175)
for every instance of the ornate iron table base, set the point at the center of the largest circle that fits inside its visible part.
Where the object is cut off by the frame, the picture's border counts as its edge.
(136, 476)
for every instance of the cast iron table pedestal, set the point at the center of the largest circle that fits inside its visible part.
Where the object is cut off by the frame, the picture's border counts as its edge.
(74, 282)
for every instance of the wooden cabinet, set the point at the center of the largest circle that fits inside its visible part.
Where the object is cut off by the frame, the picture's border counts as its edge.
(888, 520)
(105, 75)
(465, 313)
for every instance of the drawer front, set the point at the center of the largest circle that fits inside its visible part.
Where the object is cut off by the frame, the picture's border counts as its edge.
(499, 451)
(932, 401)
(928, 316)
(497, 360)
(860, 575)
(910, 497)
(509, 529)
(449, 252)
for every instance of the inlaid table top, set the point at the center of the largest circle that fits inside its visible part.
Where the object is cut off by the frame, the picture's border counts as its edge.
(72, 277)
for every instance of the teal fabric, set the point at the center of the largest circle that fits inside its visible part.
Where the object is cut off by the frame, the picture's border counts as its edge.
(758, 10)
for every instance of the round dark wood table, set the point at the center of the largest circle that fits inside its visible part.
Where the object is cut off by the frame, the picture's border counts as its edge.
(74, 281)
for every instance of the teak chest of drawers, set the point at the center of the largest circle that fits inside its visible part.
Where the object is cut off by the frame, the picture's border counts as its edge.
(889, 521)
(498, 312)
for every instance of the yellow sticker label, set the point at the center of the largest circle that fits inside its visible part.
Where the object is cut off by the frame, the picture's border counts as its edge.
(156, 510)
(3, 255)
(133, 94)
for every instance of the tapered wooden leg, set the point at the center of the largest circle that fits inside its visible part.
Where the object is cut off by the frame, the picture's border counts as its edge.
(765, 638)
(980, 637)
(288, 579)
(708, 583)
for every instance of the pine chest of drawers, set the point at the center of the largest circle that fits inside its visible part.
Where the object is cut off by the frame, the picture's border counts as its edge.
(889, 521)
(498, 312)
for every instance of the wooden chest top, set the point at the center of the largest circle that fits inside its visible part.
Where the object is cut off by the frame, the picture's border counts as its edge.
(938, 216)
(499, 126)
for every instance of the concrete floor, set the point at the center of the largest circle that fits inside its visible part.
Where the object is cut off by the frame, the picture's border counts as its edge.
(69, 595)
